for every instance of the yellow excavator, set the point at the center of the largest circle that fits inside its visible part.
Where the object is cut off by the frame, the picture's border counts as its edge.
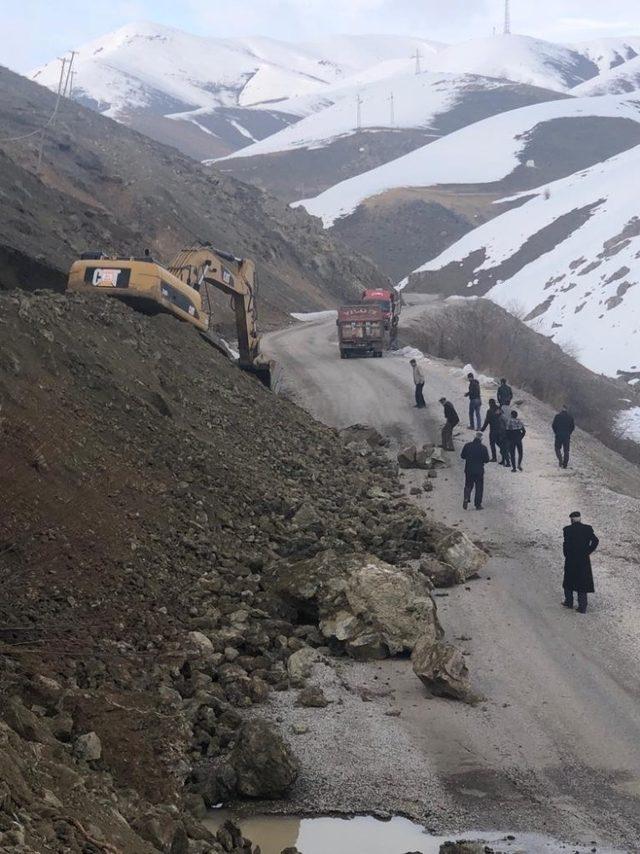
(183, 289)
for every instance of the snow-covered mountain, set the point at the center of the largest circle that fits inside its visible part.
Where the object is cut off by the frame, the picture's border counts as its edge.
(407, 101)
(609, 53)
(224, 93)
(620, 79)
(519, 58)
(481, 153)
(567, 259)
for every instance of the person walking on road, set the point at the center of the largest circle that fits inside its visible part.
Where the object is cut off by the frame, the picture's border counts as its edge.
(503, 441)
(515, 434)
(418, 379)
(451, 421)
(580, 542)
(475, 456)
(505, 394)
(475, 402)
(563, 426)
(493, 420)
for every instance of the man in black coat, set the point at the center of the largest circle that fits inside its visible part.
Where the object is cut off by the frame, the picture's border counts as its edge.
(451, 421)
(563, 426)
(580, 543)
(475, 456)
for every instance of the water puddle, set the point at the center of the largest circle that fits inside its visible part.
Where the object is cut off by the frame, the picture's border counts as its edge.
(365, 834)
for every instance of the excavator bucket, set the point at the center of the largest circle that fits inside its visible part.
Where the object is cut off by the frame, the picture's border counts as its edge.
(262, 370)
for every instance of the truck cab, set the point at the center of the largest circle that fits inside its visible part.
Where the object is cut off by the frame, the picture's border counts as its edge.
(388, 302)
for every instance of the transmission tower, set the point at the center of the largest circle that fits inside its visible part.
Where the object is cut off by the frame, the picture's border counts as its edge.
(417, 56)
(392, 115)
(507, 17)
(358, 112)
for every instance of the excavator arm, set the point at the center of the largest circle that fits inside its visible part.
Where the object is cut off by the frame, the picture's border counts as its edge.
(205, 267)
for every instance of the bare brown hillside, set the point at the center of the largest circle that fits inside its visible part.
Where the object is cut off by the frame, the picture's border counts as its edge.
(104, 186)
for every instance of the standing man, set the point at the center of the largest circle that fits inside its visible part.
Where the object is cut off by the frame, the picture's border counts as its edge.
(418, 379)
(493, 420)
(580, 543)
(505, 394)
(475, 456)
(563, 426)
(451, 421)
(515, 434)
(475, 402)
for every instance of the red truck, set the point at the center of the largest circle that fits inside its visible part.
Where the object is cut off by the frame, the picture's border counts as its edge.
(389, 303)
(361, 329)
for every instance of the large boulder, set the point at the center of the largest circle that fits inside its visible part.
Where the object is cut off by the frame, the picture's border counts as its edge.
(366, 606)
(442, 668)
(265, 765)
(466, 559)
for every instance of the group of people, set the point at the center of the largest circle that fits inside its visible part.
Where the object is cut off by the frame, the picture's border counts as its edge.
(506, 429)
(506, 434)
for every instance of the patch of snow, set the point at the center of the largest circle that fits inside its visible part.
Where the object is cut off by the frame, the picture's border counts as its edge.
(410, 353)
(308, 316)
(627, 422)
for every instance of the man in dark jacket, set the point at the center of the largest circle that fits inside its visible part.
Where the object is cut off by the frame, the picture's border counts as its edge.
(493, 420)
(563, 426)
(475, 402)
(505, 394)
(580, 543)
(475, 456)
(451, 421)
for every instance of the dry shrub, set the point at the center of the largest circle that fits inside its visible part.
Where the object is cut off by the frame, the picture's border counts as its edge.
(482, 333)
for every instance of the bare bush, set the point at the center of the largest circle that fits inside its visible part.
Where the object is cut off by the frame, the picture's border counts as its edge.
(497, 342)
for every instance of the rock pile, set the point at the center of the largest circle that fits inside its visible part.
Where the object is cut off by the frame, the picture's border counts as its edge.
(160, 512)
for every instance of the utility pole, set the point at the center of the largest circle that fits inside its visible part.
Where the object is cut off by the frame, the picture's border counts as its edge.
(63, 63)
(392, 110)
(73, 53)
(358, 111)
(417, 56)
(73, 77)
(507, 17)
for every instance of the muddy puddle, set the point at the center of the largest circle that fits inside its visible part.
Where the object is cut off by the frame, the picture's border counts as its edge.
(367, 835)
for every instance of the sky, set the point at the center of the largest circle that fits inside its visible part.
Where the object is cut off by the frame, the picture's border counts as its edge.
(35, 31)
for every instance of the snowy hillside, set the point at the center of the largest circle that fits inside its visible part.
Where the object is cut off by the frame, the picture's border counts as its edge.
(618, 80)
(417, 101)
(519, 58)
(609, 52)
(568, 260)
(233, 91)
(481, 153)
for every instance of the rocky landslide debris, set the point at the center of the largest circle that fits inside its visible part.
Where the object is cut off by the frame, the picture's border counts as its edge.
(177, 544)
(363, 605)
(428, 457)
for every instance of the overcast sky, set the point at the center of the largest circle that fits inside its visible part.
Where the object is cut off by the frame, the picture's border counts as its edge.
(34, 31)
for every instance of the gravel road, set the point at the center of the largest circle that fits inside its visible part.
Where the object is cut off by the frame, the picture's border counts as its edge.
(555, 747)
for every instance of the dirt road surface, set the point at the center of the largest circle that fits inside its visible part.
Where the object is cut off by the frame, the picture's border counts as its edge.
(555, 746)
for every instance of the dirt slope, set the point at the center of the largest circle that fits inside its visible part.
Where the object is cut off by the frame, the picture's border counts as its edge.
(104, 186)
(146, 484)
